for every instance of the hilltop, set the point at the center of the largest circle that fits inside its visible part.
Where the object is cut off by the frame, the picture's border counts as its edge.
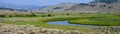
(96, 6)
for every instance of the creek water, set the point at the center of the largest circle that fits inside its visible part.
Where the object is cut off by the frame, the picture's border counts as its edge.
(66, 23)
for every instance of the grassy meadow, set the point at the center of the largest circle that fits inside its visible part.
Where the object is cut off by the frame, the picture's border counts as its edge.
(40, 19)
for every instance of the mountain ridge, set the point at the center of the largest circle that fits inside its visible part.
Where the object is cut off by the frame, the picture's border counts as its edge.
(29, 7)
(97, 6)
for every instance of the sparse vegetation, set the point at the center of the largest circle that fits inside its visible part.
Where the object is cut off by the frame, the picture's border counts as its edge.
(31, 29)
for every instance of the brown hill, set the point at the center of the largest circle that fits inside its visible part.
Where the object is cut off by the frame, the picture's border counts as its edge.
(97, 6)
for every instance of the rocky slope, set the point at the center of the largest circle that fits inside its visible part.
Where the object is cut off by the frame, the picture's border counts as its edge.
(100, 6)
(97, 6)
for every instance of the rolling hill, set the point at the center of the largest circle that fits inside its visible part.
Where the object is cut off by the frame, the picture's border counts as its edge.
(97, 6)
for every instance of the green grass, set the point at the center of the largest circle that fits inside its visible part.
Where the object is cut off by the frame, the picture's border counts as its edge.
(101, 20)
(37, 21)
(91, 19)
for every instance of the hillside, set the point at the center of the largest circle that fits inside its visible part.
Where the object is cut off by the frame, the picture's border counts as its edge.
(97, 6)
(57, 8)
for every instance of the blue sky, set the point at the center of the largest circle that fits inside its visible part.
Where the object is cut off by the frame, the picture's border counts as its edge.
(41, 2)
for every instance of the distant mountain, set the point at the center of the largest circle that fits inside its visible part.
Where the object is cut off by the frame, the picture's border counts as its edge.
(97, 6)
(29, 7)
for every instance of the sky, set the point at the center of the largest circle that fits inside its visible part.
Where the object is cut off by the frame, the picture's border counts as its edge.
(42, 2)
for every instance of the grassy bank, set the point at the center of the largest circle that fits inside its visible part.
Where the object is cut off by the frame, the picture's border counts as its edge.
(91, 19)
(100, 19)
(38, 21)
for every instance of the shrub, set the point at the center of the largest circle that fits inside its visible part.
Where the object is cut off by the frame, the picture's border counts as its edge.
(67, 14)
(20, 15)
(10, 15)
(43, 16)
(1, 15)
(33, 14)
(49, 15)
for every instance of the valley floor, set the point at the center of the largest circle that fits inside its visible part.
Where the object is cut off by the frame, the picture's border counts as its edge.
(90, 19)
